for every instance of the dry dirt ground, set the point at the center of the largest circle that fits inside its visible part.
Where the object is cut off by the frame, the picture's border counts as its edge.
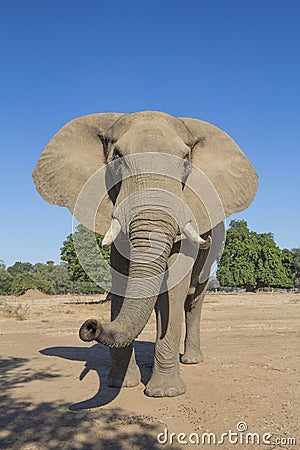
(54, 394)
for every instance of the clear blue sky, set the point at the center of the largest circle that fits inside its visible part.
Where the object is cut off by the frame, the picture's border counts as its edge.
(230, 62)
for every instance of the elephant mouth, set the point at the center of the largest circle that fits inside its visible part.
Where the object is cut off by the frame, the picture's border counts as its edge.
(161, 201)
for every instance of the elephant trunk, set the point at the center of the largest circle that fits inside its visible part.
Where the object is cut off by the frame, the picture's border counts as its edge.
(151, 239)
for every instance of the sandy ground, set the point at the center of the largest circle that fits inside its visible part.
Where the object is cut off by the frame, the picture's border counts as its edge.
(54, 394)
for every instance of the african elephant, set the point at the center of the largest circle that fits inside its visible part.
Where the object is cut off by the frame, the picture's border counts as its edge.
(169, 183)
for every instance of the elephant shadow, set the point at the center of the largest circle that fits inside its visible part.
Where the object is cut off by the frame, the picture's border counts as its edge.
(97, 358)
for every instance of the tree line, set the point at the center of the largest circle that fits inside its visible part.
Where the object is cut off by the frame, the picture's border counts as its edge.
(66, 278)
(249, 261)
(253, 261)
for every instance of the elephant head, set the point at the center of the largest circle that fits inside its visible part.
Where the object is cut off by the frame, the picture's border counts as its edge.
(146, 160)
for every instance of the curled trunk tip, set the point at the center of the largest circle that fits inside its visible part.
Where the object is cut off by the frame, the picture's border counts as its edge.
(90, 330)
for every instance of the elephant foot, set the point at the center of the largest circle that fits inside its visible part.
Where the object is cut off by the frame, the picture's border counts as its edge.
(118, 377)
(192, 356)
(165, 386)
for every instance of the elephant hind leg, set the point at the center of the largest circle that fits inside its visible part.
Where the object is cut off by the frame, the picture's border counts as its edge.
(192, 307)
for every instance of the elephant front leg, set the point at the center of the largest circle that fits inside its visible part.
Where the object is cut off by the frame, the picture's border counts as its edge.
(193, 307)
(124, 370)
(166, 380)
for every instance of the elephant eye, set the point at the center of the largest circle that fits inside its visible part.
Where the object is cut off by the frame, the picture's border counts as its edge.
(187, 167)
(118, 160)
(186, 171)
(117, 154)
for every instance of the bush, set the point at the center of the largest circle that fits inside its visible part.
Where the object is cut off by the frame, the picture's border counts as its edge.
(24, 282)
(5, 282)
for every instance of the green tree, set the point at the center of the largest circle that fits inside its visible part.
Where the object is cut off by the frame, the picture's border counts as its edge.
(25, 281)
(83, 248)
(48, 278)
(237, 265)
(56, 274)
(19, 268)
(24, 277)
(296, 262)
(288, 263)
(274, 266)
(5, 281)
(251, 260)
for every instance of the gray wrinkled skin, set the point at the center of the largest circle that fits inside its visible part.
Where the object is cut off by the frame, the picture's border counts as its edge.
(151, 209)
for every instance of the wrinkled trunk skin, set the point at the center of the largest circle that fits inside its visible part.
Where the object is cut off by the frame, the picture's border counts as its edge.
(141, 294)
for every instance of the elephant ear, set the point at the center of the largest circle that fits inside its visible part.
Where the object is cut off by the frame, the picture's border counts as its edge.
(71, 157)
(228, 170)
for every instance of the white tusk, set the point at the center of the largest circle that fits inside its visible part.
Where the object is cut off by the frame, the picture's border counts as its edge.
(112, 233)
(194, 237)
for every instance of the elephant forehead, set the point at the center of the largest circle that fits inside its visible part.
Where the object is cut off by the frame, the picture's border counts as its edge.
(150, 123)
(153, 120)
(152, 142)
(151, 115)
(150, 130)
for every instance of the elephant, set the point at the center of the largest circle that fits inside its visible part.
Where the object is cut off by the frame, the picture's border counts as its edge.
(167, 185)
